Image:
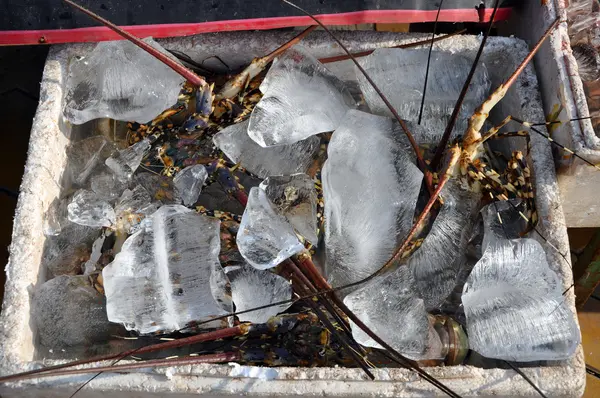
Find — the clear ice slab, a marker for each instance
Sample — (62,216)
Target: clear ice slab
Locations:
(85,157)
(251,288)
(388,306)
(295,197)
(188,183)
(168,274)
(436,264)
(301,98)
(400,75)
(263,162)
(119,80)
(265,238)
(370,189)
(88,209)
(126,161)
(513,301)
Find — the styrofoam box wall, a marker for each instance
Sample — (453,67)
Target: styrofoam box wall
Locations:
(560,84)
(46,163)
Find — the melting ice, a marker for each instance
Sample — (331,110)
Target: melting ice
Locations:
(168,273)
(301,98)
(119,80)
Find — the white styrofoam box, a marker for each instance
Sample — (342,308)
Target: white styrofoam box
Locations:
(46,164)
(560,84)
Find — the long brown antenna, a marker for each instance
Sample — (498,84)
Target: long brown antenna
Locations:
(446,137)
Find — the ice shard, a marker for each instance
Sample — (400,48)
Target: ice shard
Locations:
(126,161)
(90,266)
(119,80)
(133,206)
(56,217)
(65,253)
(263,162)
(168,273)
(188,183)
(160,188)
(107,186)
(301,98)
(400,75)
(265,238)
(88,209)
(513,301)
(388,306)
(370,189)
(295,197)
(85,157)
(252,288)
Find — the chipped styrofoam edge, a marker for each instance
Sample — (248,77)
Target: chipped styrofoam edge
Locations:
(253,372)
(584,138)
(16,349)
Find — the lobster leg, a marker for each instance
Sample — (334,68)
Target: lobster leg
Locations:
(240,81)
(511,134)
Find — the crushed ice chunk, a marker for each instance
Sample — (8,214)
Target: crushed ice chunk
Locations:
(265,238)
(55,217)
(119,80)
(436,264)
(251,288)
(160,187)
(295,197)
(90,266)
(88,209)
(167,274)
(69,312)
(399,74)
(132,207)
(263,162)
(370,189)
(107,186)
(189,181)
(301,98)
(514,305)
(126,161)
(86,156)
(65,253)
(387,302)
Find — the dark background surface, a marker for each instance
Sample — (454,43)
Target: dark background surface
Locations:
(55,14)
(20,76)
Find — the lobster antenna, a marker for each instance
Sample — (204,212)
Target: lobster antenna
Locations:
(344,57)
(446,137)
(437,17)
